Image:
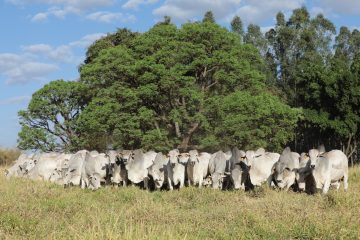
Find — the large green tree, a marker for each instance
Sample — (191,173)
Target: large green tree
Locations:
(160,90)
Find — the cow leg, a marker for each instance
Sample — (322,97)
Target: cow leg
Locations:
(189,182)
(326,185)
(170,185)
(83,184)
(346,181)
(182,182)
(200,182)
(146,183)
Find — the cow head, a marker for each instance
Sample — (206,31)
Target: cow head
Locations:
(183,158)
(207,182)
(173,157)
(158,175)
(283,175)
(56,175)
(218,179)
(125,156)
(251,155)
(236,178)
(302,174)
(68,177)
(94,182)
(193,157)
(313,155)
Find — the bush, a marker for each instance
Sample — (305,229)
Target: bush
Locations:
(7,156)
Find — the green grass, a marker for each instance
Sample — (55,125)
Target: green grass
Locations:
(38,210)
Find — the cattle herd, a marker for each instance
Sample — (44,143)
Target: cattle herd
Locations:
(235,169)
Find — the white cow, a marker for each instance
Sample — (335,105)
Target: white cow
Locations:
(73,173)
(304,162)
(239,171)
(285,168)
(219,168)
(95,170)
(45,165)
(63,164)
(137,166)
(197,167)
(119,172)
(158,171)
(261,164)
(18,169)
(325,169)
(176,168)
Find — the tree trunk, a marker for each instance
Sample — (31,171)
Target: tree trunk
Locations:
(184,145)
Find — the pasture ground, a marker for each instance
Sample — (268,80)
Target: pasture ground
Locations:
(40,210)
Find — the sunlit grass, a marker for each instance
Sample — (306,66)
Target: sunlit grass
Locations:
(38,210)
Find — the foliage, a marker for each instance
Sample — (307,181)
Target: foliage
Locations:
(48,123)
(158,90)
(251,121)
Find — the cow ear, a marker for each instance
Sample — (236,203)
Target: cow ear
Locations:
(20,167)
(161,169)
(35,161)
(296,170)
(288,169)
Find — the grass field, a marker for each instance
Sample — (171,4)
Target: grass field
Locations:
(39,210)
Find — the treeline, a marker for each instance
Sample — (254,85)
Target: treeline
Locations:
(206,87)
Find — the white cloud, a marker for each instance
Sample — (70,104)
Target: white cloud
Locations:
(189,9)
(22,69)
(39,17)
(15,100)
(87,40)
(76,4)
(314,11)
(108,17)
(257,11)
(341,6)
(61,8)
(134,4)
(62,53)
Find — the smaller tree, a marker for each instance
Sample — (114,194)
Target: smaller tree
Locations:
(48,123)
(209,17)
(237,26)
(255,37)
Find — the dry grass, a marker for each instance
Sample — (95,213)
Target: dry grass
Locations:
(38,210)
(7,156)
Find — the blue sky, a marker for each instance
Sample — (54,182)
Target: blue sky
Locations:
(44,40)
